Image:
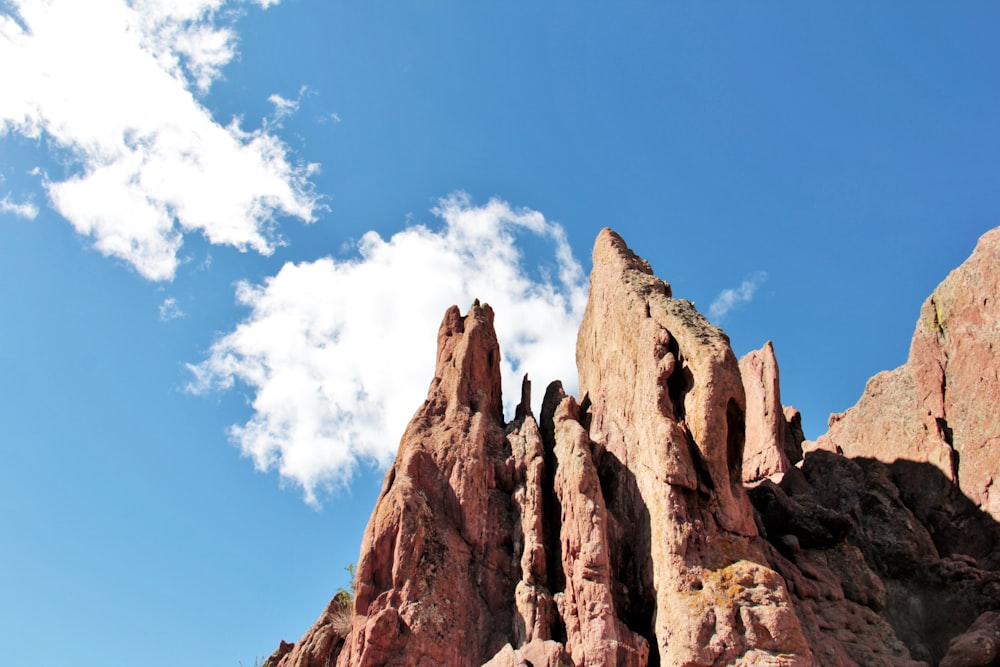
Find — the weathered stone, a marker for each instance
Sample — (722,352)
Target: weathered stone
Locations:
(595,636)
(843,538)
(978,647)
(437,573)
(764,449)
(535,607)
(666,413)
(536,653)
(616,529)
(321,644)
(794,437)
(932,408)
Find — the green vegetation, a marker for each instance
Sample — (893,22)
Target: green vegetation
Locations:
(343,595)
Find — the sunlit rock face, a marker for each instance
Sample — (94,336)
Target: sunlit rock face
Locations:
(941,407)
(666,515)
(765,452)
(666,412)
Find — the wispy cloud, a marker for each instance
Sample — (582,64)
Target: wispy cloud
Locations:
(169,310)
(732,297)
(339,353)
(115,85)
(283,106)
(22,210)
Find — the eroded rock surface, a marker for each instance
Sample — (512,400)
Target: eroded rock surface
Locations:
(616,529)
(321,644)
(886,557)
(437,571)
(764,453)
(666,413)
(935,408)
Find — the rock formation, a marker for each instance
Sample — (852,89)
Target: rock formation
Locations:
(666,413)
(941,408)
(765,453)
(668,517)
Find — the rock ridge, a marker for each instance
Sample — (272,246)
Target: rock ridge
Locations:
(668,516)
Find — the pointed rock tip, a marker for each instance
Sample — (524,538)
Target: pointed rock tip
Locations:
(454,322)
(554,394)
(524,407)
(765,352)
(481,311)
(613,256)
(610,248)
(467,371)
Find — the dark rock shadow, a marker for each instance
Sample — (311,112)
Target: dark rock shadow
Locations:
(955,523)
(932,548)
(629,535)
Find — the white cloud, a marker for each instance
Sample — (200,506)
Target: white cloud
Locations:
(339,353)
(285,107)
(169,310)
(730,298)
(23,210)
(113,85)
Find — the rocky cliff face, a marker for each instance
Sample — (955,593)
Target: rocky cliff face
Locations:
(667,515)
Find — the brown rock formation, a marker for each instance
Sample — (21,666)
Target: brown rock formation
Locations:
(886,558)
(594,634)
(666,408)
(764,451)
(979,647)
(616,530)
(323,640)
(437,565)
(794,437)
(932,408)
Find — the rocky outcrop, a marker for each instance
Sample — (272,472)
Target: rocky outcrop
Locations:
(594,633)
(764,453)
(866,578)
(883,533)
(437,570)
(666,413)
(939,407)
(979,646)
(616,528)
(321,642)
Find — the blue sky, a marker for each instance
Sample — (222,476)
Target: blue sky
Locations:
(229,230)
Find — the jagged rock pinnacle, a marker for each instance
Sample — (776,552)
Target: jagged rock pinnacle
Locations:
(616,529)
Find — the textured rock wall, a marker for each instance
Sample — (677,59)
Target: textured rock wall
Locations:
(616,529)
(666,412)
(884,533)
(935,408)
(764,453)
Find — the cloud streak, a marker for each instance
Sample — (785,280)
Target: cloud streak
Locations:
(25,210)
(339,353)
(114,86)
(169,310)
(732,297)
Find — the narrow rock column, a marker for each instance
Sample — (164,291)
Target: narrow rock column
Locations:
(764,450)
(436,577)
(595,637)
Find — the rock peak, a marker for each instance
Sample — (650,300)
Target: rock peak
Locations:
(617,529)
(613,255)
(667,418)
(467,372)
